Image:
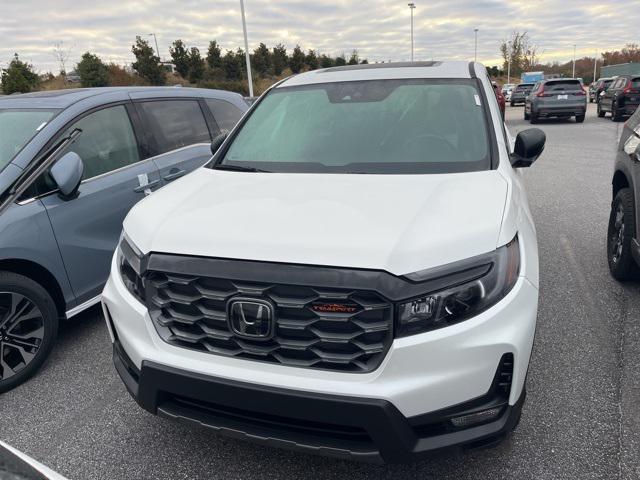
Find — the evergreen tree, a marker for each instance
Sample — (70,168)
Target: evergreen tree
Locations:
(18,77)
(180,58)
(214,58)
(354,59)
(262,60)
(296,62)
(340,61)
(147,65)
(279,59)
(232,69)
(93,72)
(325,61)
(311,60)
(196,65)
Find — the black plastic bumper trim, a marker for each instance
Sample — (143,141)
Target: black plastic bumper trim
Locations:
(365,429)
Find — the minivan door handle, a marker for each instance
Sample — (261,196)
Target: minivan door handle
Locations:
(147,186)
(174,174)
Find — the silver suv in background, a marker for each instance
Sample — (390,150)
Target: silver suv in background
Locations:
(559,98)
(72,164)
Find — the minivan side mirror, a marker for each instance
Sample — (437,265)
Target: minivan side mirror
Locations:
(218,141)
(529,145)
(67,173)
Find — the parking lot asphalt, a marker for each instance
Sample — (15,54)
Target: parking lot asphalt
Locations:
(581,419)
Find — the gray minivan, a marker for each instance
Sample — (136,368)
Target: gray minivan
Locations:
(72,164)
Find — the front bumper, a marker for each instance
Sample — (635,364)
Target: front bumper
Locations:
(365,429)
(422,377)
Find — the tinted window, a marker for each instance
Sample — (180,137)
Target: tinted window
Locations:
(635,82)
(17,128)
(225,113)
(376,126)
(563,85)
(107,141)
(174,124)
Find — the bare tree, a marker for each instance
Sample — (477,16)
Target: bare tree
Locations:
(62,54)
(523,54)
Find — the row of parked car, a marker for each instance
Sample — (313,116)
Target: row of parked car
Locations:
(566,97)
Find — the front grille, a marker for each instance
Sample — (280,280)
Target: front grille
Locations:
(191,312)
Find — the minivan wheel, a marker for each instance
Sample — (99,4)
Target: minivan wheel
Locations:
(526,115)
(28,328)
(619,235)
(579,118)
(533,116)
(601,112)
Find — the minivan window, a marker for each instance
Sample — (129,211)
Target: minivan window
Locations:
(17,128)
(107,141)
(174,124)
(373,126)
(635,82)
(225,113)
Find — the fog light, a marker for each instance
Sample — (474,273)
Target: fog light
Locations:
(476,418)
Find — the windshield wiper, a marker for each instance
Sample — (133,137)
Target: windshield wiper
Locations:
(238,168)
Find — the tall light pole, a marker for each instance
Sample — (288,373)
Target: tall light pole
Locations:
(595,66)
(246,49)
(573,75)
(412,7)
(475,50)
(156,41)
(509,62)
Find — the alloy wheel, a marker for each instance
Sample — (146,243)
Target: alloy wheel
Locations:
(21,333)
(617,239)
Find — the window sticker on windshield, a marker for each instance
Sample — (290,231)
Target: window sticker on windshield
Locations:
(41,126)
(477,97)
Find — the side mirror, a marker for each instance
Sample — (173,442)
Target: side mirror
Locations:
(218,141)
(529,145)
(67,173)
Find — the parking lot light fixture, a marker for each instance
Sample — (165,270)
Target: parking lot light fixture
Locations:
(412,7)
(155,39)
(246,49)
(573,75)
(475,49)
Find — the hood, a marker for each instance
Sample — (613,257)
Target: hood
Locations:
(397,223)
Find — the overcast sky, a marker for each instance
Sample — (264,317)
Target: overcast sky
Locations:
(378,29)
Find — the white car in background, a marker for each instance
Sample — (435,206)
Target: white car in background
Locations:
(354,274)
(507,90)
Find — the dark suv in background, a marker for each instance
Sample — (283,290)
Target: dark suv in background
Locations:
(623,235)
(596,88)
(72,164)
(621,99)
(560,98)
(520,93)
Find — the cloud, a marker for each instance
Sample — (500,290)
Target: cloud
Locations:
(378,29)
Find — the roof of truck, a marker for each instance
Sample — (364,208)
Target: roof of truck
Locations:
(382,71)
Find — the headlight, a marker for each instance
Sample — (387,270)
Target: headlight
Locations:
(129,264)
(497,274)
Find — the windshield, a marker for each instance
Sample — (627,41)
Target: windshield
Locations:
(17,128)
(375,126)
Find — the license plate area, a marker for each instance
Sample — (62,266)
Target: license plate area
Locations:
(563,97)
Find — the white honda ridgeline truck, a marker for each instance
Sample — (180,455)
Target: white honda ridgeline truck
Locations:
(355,272)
